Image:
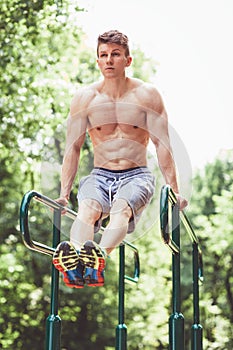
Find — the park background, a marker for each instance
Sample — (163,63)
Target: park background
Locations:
(47,52)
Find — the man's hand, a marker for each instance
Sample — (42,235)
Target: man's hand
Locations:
(181,201)
(63,201)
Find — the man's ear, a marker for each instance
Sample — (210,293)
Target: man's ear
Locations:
(129,61)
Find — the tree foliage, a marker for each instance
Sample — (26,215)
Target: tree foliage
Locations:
(213,217)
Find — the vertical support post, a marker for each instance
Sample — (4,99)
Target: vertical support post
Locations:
(121,330)
(176,321)
(196,340)
(53,322)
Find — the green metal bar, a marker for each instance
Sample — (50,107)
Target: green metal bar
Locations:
(195,241)
(164,220)
(53,322)
(121,330)
(176,321)
(195,284)
(136,275)
(176,259)
(24,226)
(188,227)
(196,331)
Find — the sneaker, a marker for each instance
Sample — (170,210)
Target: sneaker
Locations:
(66,260)
(93,258)
(74,278)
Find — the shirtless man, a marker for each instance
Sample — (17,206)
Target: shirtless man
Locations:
(120,114)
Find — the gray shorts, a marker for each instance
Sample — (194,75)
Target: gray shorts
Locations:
(135,185)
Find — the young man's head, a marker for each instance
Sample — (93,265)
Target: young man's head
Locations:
(114,37)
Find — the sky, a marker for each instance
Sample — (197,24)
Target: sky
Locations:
(191,41)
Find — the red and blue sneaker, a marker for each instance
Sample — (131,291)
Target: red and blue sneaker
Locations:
(93,258)
(66,260)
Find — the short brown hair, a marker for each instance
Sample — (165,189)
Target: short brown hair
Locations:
(114,37)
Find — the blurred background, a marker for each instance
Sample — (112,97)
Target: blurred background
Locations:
(48,50)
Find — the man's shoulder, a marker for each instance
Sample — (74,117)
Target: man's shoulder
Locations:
(147,88)
(83,96)
(147,93)
(136,83)
(86,91)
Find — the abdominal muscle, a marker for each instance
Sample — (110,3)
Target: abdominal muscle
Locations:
(119,147)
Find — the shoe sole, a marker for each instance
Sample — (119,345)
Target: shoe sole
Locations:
(77,282)
(92,257)
(65,257)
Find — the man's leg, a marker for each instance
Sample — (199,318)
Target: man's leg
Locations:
(87,266)
(82,229)
(116,230)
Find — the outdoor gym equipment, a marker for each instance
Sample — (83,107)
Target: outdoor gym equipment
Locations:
(53,322)
(170,217)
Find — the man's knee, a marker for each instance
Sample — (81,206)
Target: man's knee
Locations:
(121,207)
(89,211)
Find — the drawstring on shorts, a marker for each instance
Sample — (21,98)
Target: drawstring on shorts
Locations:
(115,180)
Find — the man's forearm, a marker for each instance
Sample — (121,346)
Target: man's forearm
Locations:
(69,170)
(167,167)
(169,175)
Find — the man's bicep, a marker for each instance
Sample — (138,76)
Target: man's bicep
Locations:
(158,129)
(76,131)
(78,117)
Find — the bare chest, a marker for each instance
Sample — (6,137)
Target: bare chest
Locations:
(103,112)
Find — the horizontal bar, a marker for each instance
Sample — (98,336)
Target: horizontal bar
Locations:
(68,212)
(188,227)
(136,263)
(164,216)
(24,227)
(55,205)
(44,249)
(167,194)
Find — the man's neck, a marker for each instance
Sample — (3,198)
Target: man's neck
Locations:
(115,88)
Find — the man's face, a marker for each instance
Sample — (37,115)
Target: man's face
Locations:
(112,60)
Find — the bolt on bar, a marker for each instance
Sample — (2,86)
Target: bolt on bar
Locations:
(170,215)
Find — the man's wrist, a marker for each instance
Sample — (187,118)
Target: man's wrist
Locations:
(66,197)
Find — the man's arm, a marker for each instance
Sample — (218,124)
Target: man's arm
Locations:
(164,152)
(71,158)
(159,134)
(76,132)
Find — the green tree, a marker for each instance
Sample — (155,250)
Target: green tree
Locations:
(40,55)
(211,213)
(43,60)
